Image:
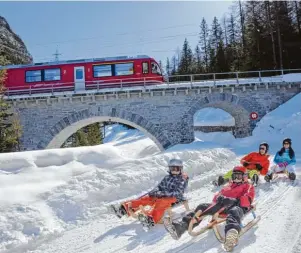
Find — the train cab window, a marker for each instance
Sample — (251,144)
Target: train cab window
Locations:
(102,70)
(156,69)
(124,69)
(145,67)
(33,76)
(52,74)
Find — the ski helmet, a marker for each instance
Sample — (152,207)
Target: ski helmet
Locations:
(266,146)
(287,140)
(239,169)
(175,163)
(239,172)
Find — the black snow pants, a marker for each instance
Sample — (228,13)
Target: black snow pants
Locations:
(234,216)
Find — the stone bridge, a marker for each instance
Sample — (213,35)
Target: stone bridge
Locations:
(165,115)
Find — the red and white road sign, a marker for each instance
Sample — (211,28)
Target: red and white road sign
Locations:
(254,115)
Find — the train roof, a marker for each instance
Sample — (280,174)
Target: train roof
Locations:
(104,59)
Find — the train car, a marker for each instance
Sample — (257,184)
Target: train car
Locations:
(81,75)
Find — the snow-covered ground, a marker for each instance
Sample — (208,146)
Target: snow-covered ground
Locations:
(55,200)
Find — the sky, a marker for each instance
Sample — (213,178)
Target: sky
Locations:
(100,29)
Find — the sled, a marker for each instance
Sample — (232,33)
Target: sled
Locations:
(217,219)
(277,174)
(144,210)
(169,212)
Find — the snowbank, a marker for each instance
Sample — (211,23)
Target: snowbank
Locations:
(47,192)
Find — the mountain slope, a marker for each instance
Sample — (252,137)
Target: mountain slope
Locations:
(12,46)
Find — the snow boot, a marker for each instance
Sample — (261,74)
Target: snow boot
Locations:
(146,221)
(292,176)
(175,229)
(220,181)
(268,177)
(231,239)
(119,211)
(255,179)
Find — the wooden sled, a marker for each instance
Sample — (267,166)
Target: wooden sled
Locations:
(217,219)
(277,174)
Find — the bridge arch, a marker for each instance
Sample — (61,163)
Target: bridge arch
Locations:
(68,125)
(230,104)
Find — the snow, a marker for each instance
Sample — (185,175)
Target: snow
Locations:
(55,200)
(213,117)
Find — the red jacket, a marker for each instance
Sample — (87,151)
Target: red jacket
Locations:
(245,192)
(254,158)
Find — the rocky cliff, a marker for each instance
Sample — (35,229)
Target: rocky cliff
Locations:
(11,45)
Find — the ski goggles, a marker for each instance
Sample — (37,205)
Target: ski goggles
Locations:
(175,168)
(238,176)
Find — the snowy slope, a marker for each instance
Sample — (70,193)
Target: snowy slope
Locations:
(54,200)
(283,122)
(213,117)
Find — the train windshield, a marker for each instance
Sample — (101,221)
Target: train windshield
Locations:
(156,69)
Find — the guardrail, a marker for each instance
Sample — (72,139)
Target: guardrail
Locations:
(194,80)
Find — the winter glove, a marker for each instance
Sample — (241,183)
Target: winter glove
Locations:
(225,201)
(245,164)
(258,166)
(281,165)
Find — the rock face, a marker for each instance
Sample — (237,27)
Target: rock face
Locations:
(11,45)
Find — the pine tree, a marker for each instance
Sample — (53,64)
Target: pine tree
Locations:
(198,68)
(168,69)
(203,42)
(174,66)
(94,136)
(186,62)
(10,128)
(81,138)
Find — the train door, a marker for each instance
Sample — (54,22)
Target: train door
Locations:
(79,78)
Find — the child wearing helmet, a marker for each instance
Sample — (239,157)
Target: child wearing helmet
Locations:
(169,191)
(284,160)
(237,197)
(256,163)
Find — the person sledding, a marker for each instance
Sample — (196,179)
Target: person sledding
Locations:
(169,191)
(284,160)
(256,163)
(236,197)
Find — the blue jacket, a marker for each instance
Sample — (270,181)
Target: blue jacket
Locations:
(284,158)
(171,186)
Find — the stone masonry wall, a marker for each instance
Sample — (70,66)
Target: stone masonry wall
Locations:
(167,115)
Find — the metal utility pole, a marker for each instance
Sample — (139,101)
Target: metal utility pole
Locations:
(56,55)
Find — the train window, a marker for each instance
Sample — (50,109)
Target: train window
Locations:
(102,70)
(52,74)
(123,69)
(145,67)
(156,69)
(33,76)
(79,74)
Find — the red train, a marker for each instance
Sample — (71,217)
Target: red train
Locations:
(84,74)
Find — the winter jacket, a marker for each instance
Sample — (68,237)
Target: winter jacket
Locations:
(254,158)
(244,192)
(284,158)
(171,186)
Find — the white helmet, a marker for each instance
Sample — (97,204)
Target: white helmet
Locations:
(175,163)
